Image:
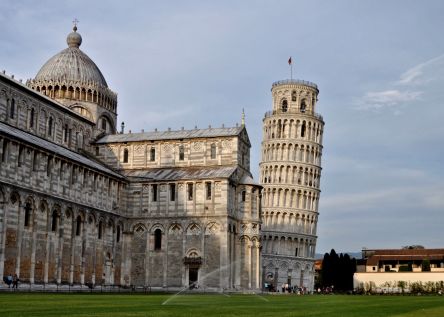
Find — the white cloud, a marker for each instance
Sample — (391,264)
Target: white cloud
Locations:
(386,98)
(418,75)
(414,74)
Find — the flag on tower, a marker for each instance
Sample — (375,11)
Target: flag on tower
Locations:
(289,61)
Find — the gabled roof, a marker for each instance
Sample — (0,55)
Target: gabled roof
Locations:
(181,173)
(171,135)
(54,148)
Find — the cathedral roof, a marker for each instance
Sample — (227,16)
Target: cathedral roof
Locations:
(72,65)
(181,173)
(171,135)
(54,148)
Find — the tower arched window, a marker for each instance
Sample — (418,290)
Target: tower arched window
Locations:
(157,239)
(152,154)
(293,95)
(125,156)
(213,151)
(303,106)
(303,128)
(181,153)
(284,105)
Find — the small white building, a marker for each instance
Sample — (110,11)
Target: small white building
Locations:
(397,270)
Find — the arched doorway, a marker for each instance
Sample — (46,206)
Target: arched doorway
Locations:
(192,263)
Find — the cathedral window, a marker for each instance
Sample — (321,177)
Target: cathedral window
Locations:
(85,174)
(12,109)
(65,133)
(54,221)
(152,154)
(48,166)
(50,124)
(100,230)
(213,151)
(5,150)
(69,136)
(181,153)
(244,195)
(78,225)
(20,156)
(118,234)
(97,151)
(172,192)
(35,161)
(28,210)
(103,124)
(62,170)
(125,156)
(208,190)
(190,191)
(95,182)
(154,192)
(31,118)
(284,105)
(73,175)
(157,240)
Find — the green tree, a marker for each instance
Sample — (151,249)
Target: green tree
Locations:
(338,270)
(425,265)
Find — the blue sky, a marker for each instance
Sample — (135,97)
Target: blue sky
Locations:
(379,66)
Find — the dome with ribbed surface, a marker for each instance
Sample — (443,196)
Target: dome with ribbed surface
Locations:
(72,65)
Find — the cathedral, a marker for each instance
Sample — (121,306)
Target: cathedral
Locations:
(83,205)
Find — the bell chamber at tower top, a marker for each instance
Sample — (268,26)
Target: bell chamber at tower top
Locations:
(294,96)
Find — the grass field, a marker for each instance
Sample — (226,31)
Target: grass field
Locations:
(22,304)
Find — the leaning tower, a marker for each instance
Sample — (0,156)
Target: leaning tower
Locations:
(290,171)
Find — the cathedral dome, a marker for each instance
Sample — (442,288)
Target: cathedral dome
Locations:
(74,80)
(71,65)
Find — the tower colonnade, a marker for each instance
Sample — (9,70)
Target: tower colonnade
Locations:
(290,172)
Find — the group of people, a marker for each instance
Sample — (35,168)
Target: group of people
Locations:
(286,288)
(11,280)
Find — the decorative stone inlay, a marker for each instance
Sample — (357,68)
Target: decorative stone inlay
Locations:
(139,149)
(139,230)
(193,229)
(226,144)
(212,229)
(175,230)
(167,147)
(197,146)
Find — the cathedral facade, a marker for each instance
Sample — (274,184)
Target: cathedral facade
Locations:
(81,204)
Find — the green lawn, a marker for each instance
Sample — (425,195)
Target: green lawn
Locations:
(65,305)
